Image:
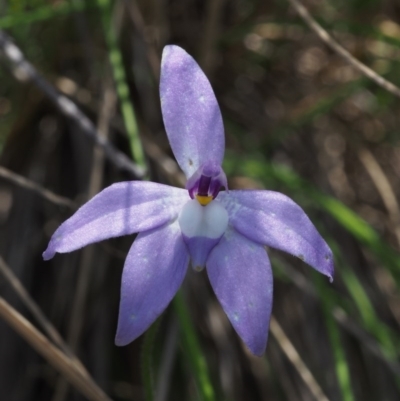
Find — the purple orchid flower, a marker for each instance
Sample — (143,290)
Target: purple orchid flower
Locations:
(223,231)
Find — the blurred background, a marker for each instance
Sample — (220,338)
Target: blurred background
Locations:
(298,119)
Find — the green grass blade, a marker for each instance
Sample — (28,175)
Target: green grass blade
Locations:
(122,88)
(341,366)
(41,13)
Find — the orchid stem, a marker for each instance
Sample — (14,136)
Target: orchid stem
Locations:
(192,349)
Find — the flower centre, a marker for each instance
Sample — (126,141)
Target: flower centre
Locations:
(203,222)
(206,182)
(204,200)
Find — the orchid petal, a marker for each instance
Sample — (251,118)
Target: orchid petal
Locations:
(121,209)
(154,270)
(190,111)
(273,219)
(241,276)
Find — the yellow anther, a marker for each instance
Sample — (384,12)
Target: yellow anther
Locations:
(204,200)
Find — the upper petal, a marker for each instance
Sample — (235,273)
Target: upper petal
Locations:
(241,276)
(273,219)
(190,111)
(122,208)
(154,270)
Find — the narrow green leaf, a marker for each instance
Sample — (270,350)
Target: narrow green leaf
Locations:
(341,366)
(116,61)
(41,13)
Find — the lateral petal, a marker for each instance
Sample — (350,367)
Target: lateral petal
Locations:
(273,219)
(154,270)
(121,209)
(241,276)
(190,111)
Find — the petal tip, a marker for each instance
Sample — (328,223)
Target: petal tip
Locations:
(171,51)
(330,275)
(166,51)
(124,335)
(121,341)
(258,344)
(258,350)
(48,254)
(330,270)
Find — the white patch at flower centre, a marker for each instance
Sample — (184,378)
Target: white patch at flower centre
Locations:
(208,221)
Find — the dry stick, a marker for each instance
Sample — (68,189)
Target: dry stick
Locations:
(346,322)
(351,326)
(24,71)
(167,362)
(38,314)
(53,355)
(210,35)
(33,307)
(136,16)
(167,164)
(45,193)
(294,357)
(388,196)
(95,183)
(336,47)
(383,186)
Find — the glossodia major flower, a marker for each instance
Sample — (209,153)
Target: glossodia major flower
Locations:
(224,231)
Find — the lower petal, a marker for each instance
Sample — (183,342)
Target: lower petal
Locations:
(240,274)
(154,270)
(273,219)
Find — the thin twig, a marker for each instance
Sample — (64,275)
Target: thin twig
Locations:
(167,362)
(336,47)
(45,193)
(383,186)
(388,196)
(54,356)
(24,71)
(137,19)
(31,305)
(167,164)
(77,315)
(347,323)
(290,351)
(351,326)
(38,314)
(210,35)
(78,309)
